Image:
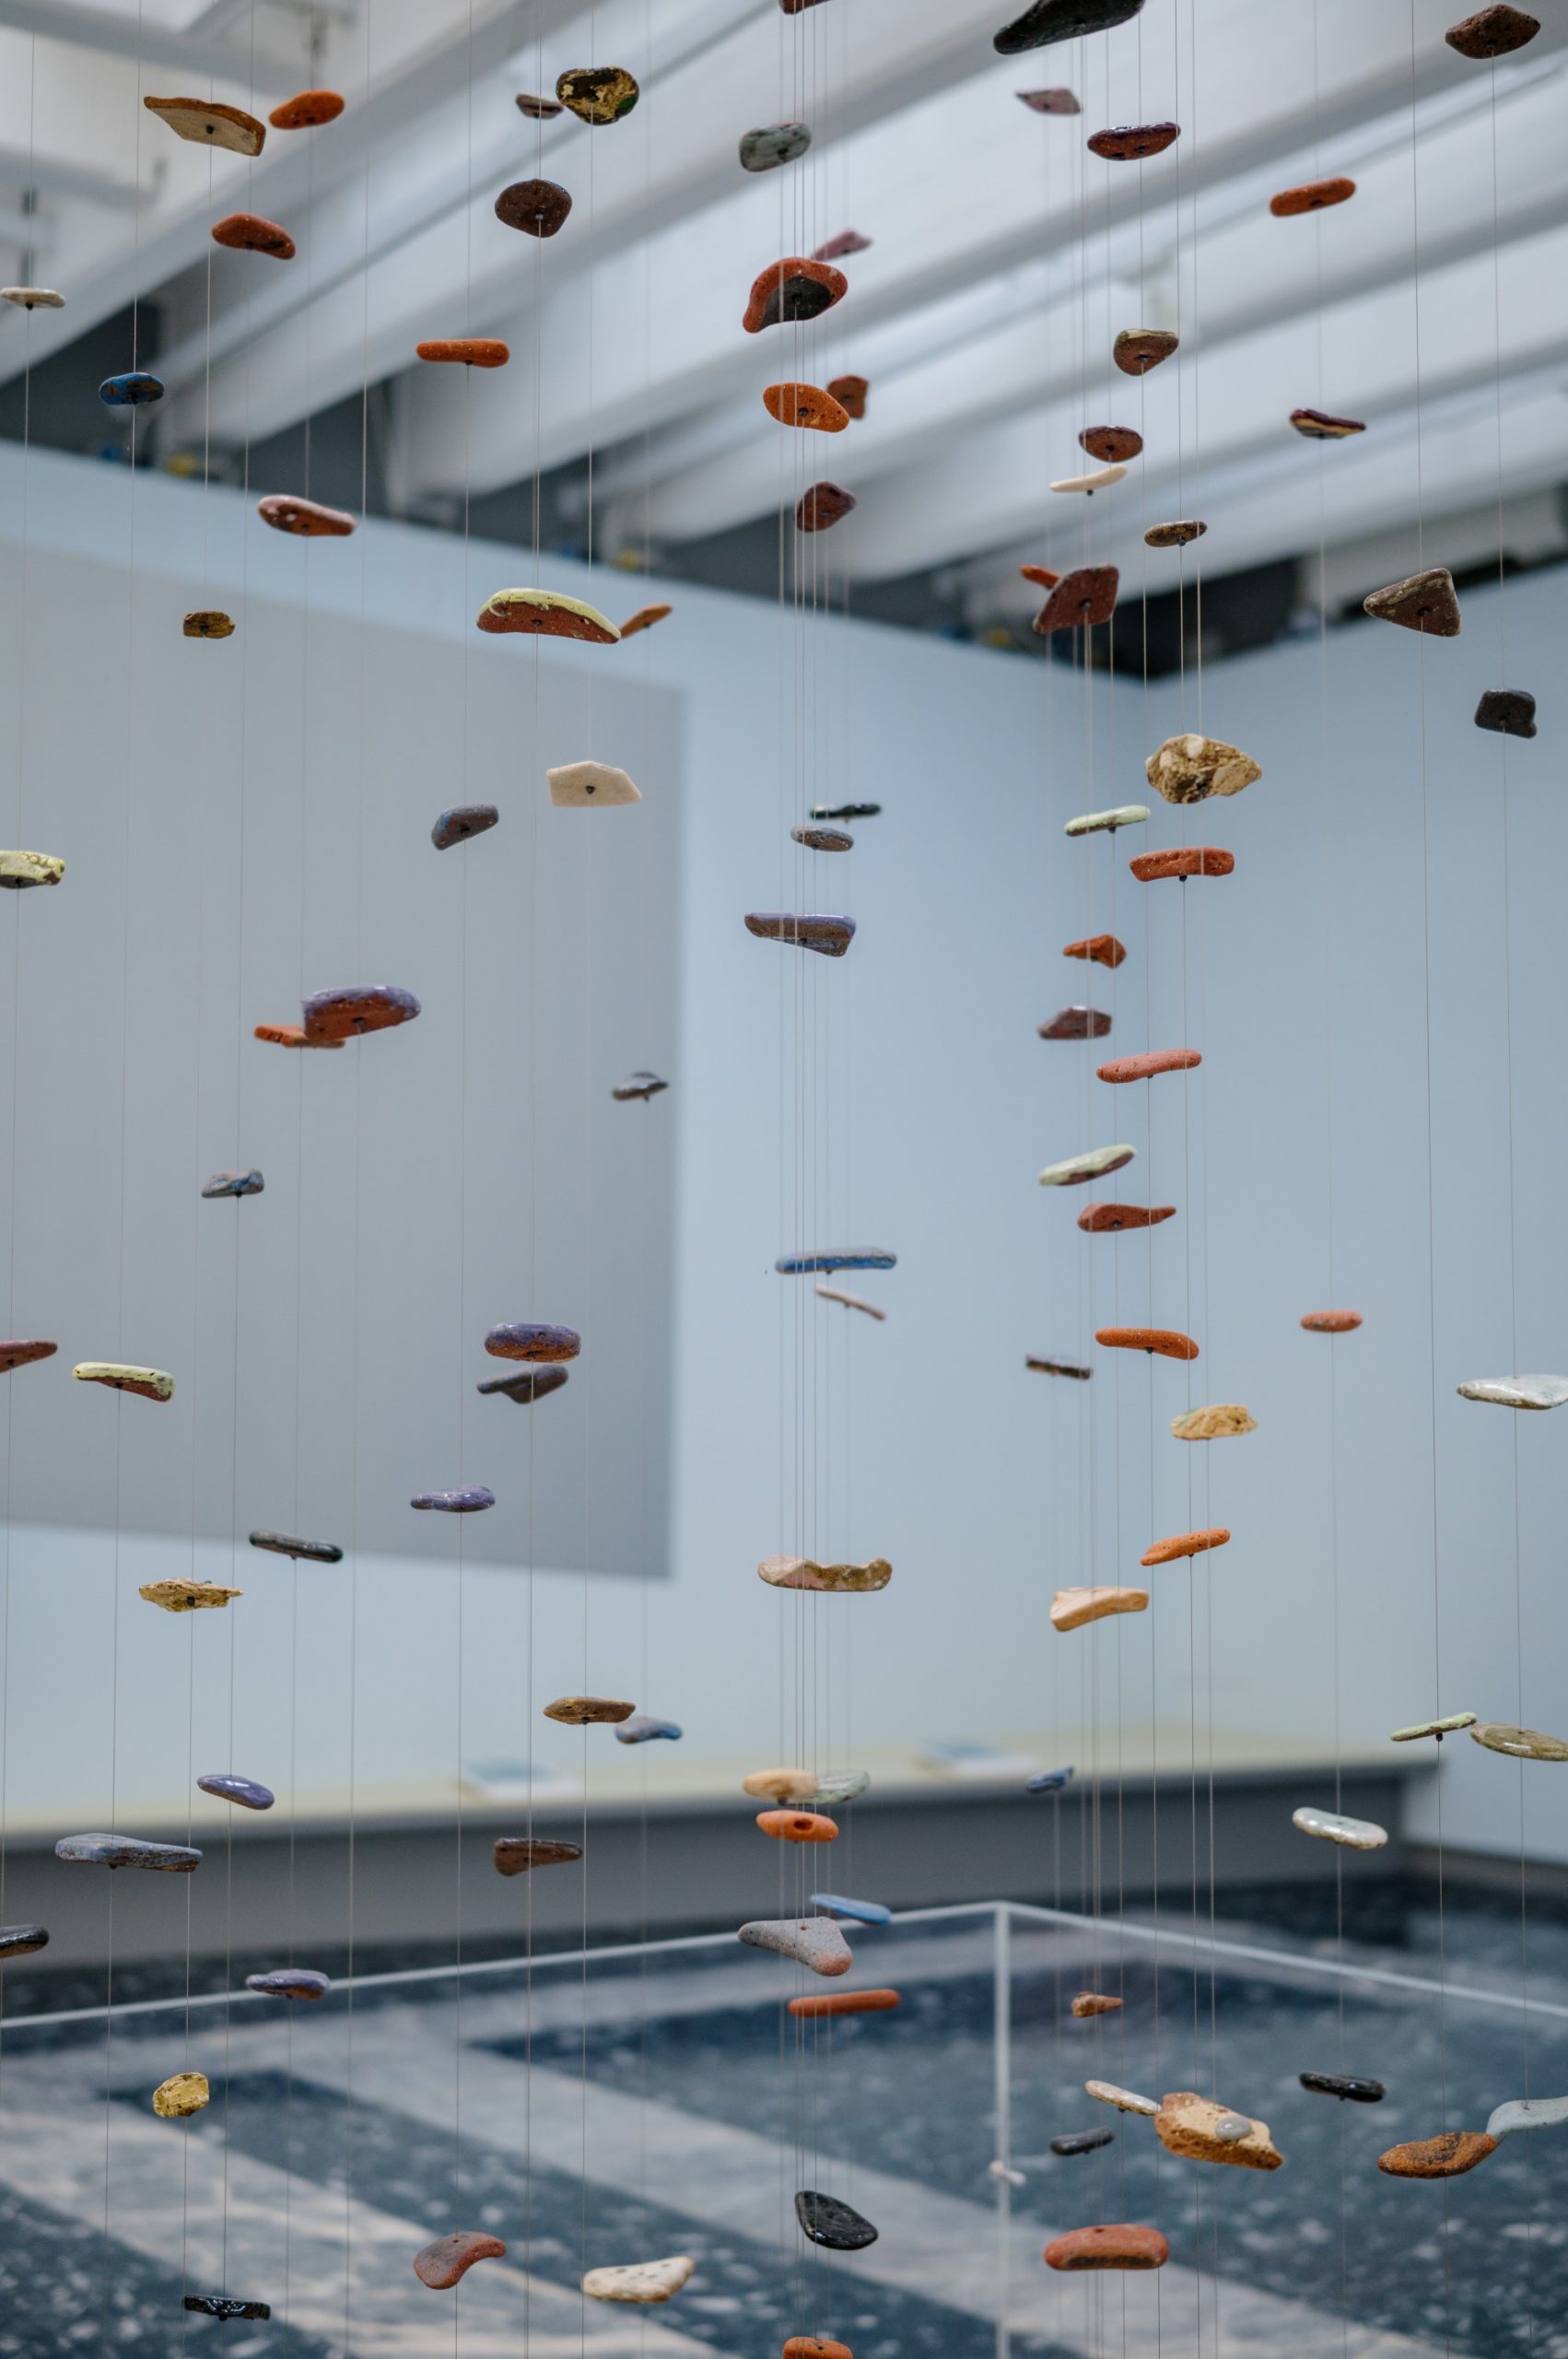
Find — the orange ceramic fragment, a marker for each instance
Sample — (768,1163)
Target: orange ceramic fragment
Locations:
(1311,198)
(477,351)
(794,405)
(846,2003)
(1117,2245)
(253,233)
(851,391)
(795,288)
(291,1036)
(305,110)
(1096,1218)
(1186,1544)
(815,2346)
(1144,1068)
(644,619)
(1041,575)
(1093,2002)
(1103,948)
(1193,860)
(798,1826)
(1331,1322)
(1166,1341)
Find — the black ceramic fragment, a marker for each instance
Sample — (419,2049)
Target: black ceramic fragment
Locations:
(223,2306)
(1511,711)
(283,1543)
(828,2222)
(1082,2141)
(1053,21)
(1344,2084)
(846,810)
(527,1386)
(20,1941)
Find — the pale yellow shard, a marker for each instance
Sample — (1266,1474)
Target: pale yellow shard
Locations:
(1100,479)
(1071,1608)
(804,1572)
(182,1596)
(645,2281)
(181,2094)
(150,1382)
(210,124)
(21,868)
(587,786)
(779,1785)
(1216,1423)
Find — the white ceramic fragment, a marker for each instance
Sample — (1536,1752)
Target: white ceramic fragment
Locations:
(1332,1827)
(1517,1391)
(1124,2100)
(1094,823)
(33,298)
(644,2281)
(1091,1164)
(587,786)
(1101,479)
(1527,2113)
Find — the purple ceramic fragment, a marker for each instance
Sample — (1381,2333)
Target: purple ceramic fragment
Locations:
(466,819)
(126,1851)
(526,1339)
(468,1502)
(289,1982)
(230,1788)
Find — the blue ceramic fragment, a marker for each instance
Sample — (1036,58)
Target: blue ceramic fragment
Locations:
(127,1851)
(228,1788)
(467,1502)
(526,1339)
(846,1257)
(131,390)
(223,2306)
(234,1183)
(533,1384)
(641,1729)
(289,1982)
(466,819)
(864,1912)
(1049,1781)
(20,1941)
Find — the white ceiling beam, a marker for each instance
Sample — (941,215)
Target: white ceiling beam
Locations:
(124,34)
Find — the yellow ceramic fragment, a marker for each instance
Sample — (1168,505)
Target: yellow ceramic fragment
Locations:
(1216,1423)
(182,1596)
(585,786)
(181,2094)
(779,1785)
(150,1382)
(20,868)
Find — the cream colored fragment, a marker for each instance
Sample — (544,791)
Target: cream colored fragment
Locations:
(1100,480)
(851,1301)
(1203,2132)
(1333,1827)
(182,1596)
(33,298)
(20,868)
(210,124)
(1124,2100)
(804,1572)
(1216,1423)
(150,1382)
(1095,823)
(582,786)
(779,1785)
(640,2280)
(1071,1608)
(184,2093)
(528,603)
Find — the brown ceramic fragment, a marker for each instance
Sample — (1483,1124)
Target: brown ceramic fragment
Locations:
(449,2259)
(578,1711)
(23,1354)
(349,1010)
(1102,949)
(1448,2156)
(644,619)
(1190,860)
(1116,2245)
(515,1854)
(1322,426)
(1040,575)
(1177,535)
(1189,768)
(1055,101)
(209,124)
(1331,1322)
(253,233)
(306,518)
(848,242)
(851,392)
(795,288)
(475,351)
(1154,1061)
(537,108)
(306,109)
(805,405)
(798,1826)
(1165,1341)
(1137,350)
(1186,1544)
(1076,1024)
(1202,2132)
(1128,143)
(1097,1219)
(1424,602)
(1057,1368)
(1114,444)
(1493,32)
(291,1036)
(539,208)
(547,613)
(1312,197)
(843,2002)
(1080,600)
(209,622)
(825,505)
(1094,2003)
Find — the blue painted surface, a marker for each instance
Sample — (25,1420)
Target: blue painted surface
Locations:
(131,390)
(864,1912)
(846,1257)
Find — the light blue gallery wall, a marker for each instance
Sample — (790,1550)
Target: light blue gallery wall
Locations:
(276,794)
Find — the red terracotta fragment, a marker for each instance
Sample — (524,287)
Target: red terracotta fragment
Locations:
(449,2258)
(805,405)
(539,208)
(1449,2155)
(1144,1068)
(1041,575)
(851,392)
(795,288)
(306,518)
(1191,860)
(1114,444)
(1053,101)
(1164,1341)
(798,1826)
(1097,1219)
(1331,1322)
(1076,1024)
(644,619)
(1312,197)
(1081,599)
(846,2003)
(475,351)
(1089,2003)
(825,505)
(253,233)
(848,242)
(1186,1544)
(1119,2245)
(1104,949)
(291,1036)
(815,2346)
(306,109)
(1128,143)
(23,1354)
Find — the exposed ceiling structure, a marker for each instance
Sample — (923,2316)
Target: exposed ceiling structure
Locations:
(1004,259)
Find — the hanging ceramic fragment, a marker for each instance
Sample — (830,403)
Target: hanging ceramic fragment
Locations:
(306,110)
(447,2260)
(805,405)
(546,614)
(1144,1068)
(798,7)
(598,94)
(1131,143)
(830,936)
(643,1728)
(539,208)
(291,1036)
(778,1785)
(473,351)
(1186,1544)
(644,619)
(859,1912)
(643,2281)
(354,1008)
(815,1942)
(1344,2085)
(251,233)
(798,1826)
(1052,102)
(1076,1024)
(527,1339)
(1217,1422)
(1094,823)
(588,1711)
(246,1794)
(538,110)
(1520,1745)
(1087,2005)
(1516,1391)
(1079,601)
(1193,860)
(1424,602)
(305,518)
(822,839)
(842,1257)
(127,1851)
(210,124)
(845,2002)
(832,1793)
(281,1543)
(1074,1608)
(1178,536)
(1160,1343)
(822,506)
(1052,20)
(1493,32)
(1124,2100)
(33,298)
(1333,1827)
(234,1183)
(209,622)
(182,1595)
(1451,1726)
(839,1580)
(1099,1218)
(848,242)
(1118,2245)
(180,2095)
(472,1500)
(1322,426)
(850,394)
(149,1383)
(225,2306)
(1098,479)
(515,1854)
(1189,768)
(590,786)
(638,1084)
(1049,1781)
(1075,1169)
(1082,2142)
(1100,949)
(1527,2113)
(1331,1322)
(289,1982)
(780,143)
(1112,443)
(795,288)
(23,1353)
(464,820)
(1510,711)
(1071,1368)
(133,389)
(827,2222)
(1137,350)
(846,810)
(1041,575)
(1202,2132)
(531,1385)
(1448,2156)
(21,870)
(1312,197)
(851,1301)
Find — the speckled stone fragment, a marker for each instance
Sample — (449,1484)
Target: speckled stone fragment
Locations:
(465,819)
(532,1339)
(774,144)
(1131,143)
(583,1712)
(1093,1164)
(836,1257)
(1217,1421)
(1076,1024)
(1074,1608)
(1519,1744)
(1175,535)
(207,622)
(1527,2113)
(234,1183)
(1510,712)
(225,2306)
(305,519)
(1202,2132)
(1080,599)
(1057,101)
(645,2283)
(209,124)
(514,1855)
(1114,2245)
(859,1912)
(253,233)
(846,2003)
(598,94)
(829,936)
(795,288)
(1101,1219)
(1183,860)
(22,1941)
(1333,1827)
(1100,949)
(1124,2100)
(127,1851)
(1164,1343)
(21,869)
(1095,823)
(645,619)
(445,2260)
(1448,2156)
(473,1499)
(1516,1391)
(132,389)
(822,839)
(638,1085)
(284,1543)
(839,1580)
(1493,32)
(147,1383)
(1137,350)
(539,208)
(1043,1366)
(182,2095)
(352,1009)
(1052,20)
(815,1942)
(851,393)
(544,614)
(1451,1726)
(823,506)
(1086,2005)
(1186,1544)
(306,110)
(1082,2141)
(227,1786)
(836,2226)
(643,1728)
(1189,768)
(1144,1068)
(1347,2086)
(1424,602)
(809,406)
(182,1595)
(289,1982)
(1311,197)
(1331,1322)
(23,1354)
(531,1385)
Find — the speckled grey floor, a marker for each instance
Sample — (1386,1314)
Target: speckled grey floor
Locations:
(678,2109)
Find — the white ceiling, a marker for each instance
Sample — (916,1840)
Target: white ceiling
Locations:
(1434,305)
